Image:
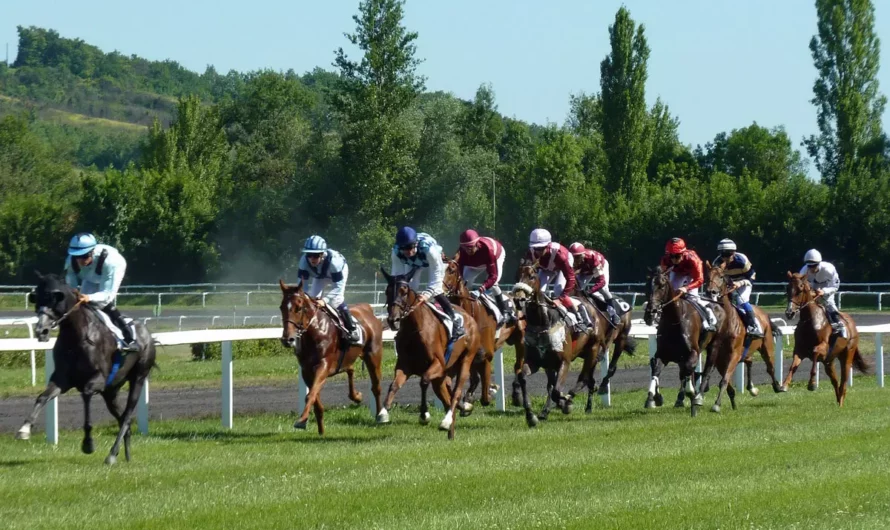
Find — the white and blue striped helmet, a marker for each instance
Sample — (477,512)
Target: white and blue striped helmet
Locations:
(82,244)
(314,245)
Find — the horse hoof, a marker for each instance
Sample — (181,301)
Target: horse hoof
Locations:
(532,420)
(544,415)
(778,389)
(812,387)
(694,411)
(424,418)
(705,387)
(110,460)
(516,400)
(24,433)
(650,404)
(753,391)
(566,407)
(659,400)
(588,410)
(357,398)
(698,400)
(679,404)
(300,425)
(715,408)
(446,423)
(493,390)
(383,417)
(87,446)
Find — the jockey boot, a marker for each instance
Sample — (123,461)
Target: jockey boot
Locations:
(614,318)
(457,325)
(752,326)
(579,326)
(837,324)
(505,304)
(586,321)
(117,318)
(348,323)
(710,323)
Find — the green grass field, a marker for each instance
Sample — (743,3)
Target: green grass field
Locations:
(780,461)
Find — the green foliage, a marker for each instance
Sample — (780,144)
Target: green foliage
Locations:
(765,154)
(241,349)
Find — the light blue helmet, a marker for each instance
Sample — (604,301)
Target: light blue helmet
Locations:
(82,244)
(314,245)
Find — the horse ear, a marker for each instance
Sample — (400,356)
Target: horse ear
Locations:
(790,275)
(386,275)
(299,287)
(38,274)
(283,285)
(411,274)
(456,255)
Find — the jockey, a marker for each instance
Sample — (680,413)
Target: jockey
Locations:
(327,266)
(413,250)
(823,277)
(740,272)
(97,271)
(590,265)
(484,254)
(555,266)
(687,276)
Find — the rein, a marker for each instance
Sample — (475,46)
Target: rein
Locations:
(55,323)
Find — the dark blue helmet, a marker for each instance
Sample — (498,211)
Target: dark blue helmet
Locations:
(406,236)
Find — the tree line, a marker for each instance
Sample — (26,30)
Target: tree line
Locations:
(238,169)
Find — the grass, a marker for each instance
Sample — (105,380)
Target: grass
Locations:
(780,461)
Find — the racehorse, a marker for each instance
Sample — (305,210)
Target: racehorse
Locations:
(424,350)
(731,345)
(550,345)
(86,358)
(813,339)
(681,337)
(492,338)
(320,349)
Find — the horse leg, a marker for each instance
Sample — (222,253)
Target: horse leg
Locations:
(832,374)
(551,386)
(720,389)
(424,405)
(654,399)
(620,344)
(318,379)
(847,365)
(126,418)
(768,353)
(397,382)
(52,391)
(456,392)
(375,374)
(730,391)
(87,445)
(440,388)
(319,414)
(563,401)
(584,378)
(749,385)
(530,417)
(354,395)
(485,398)
(811,386)
(795,362)
(706,372)
(517,370)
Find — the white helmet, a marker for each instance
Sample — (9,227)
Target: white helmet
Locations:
(539,238)
(812,256)
(726,244)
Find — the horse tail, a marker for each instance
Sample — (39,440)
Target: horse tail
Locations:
(776,331)
(630,345)
(861,363)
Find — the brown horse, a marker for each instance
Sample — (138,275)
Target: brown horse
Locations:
(423,350)
(550,345)
(603,335)
(492,338)
(681,337)
(322,352)
(814,340)
(731,344)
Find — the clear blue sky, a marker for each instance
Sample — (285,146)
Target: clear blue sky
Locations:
(719,65)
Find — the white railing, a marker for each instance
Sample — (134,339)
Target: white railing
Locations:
(227,336)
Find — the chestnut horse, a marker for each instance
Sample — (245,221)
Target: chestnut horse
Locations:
(731,344)
(423,350)
(680,339)
(492,338)
(813,339)
(550,345)
(321,350)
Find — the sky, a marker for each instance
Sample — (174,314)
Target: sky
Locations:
(718,65)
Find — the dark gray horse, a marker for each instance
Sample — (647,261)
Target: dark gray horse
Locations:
(85,355)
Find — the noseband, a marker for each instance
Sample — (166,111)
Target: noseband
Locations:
(48,313)
(299,329)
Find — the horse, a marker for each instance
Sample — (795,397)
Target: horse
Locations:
(86,358)
(813,339)
(422,343)
(731,344)
(320,349)
(492,338)
(604,335)
(549,345)
(680,337)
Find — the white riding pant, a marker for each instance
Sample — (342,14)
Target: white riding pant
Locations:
(471,273)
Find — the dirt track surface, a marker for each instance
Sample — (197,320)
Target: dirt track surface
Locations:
(193,403)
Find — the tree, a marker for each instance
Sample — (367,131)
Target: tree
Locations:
(481,125)
(846,53)
(765,154)
(625,126)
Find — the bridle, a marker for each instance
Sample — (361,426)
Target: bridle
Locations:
(299,328)
(405,306)
(49,313)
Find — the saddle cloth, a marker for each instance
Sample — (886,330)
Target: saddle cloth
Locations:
(118,334)
(489,304)
(443,317)
(334,314)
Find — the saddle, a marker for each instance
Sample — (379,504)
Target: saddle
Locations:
(490,305)
(443,316)
(341,327)
(621,306)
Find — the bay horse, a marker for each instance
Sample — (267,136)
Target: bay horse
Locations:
(550,345)
(813,339)
(422,345)
(321,351)
(680,337)
(492,338)
(731,344)
(84,356)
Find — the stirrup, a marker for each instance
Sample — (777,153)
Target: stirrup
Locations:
(131,346)
(754,331)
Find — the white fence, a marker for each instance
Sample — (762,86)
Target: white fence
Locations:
(227,336)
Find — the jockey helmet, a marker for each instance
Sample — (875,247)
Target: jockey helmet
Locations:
(468,238)
(82,244)
(726,247)
(314,245)
(539,238)
(576,248)
(405,237)
(812,257)
(675,246)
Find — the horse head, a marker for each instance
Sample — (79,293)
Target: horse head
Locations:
(53,300)
(526,283)
(453,284)
(400,298)
(798,293)
(298,312)
(717,283)
(658,292)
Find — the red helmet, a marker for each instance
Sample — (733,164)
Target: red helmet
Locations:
(576,248)
(675,246)
(468,238)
